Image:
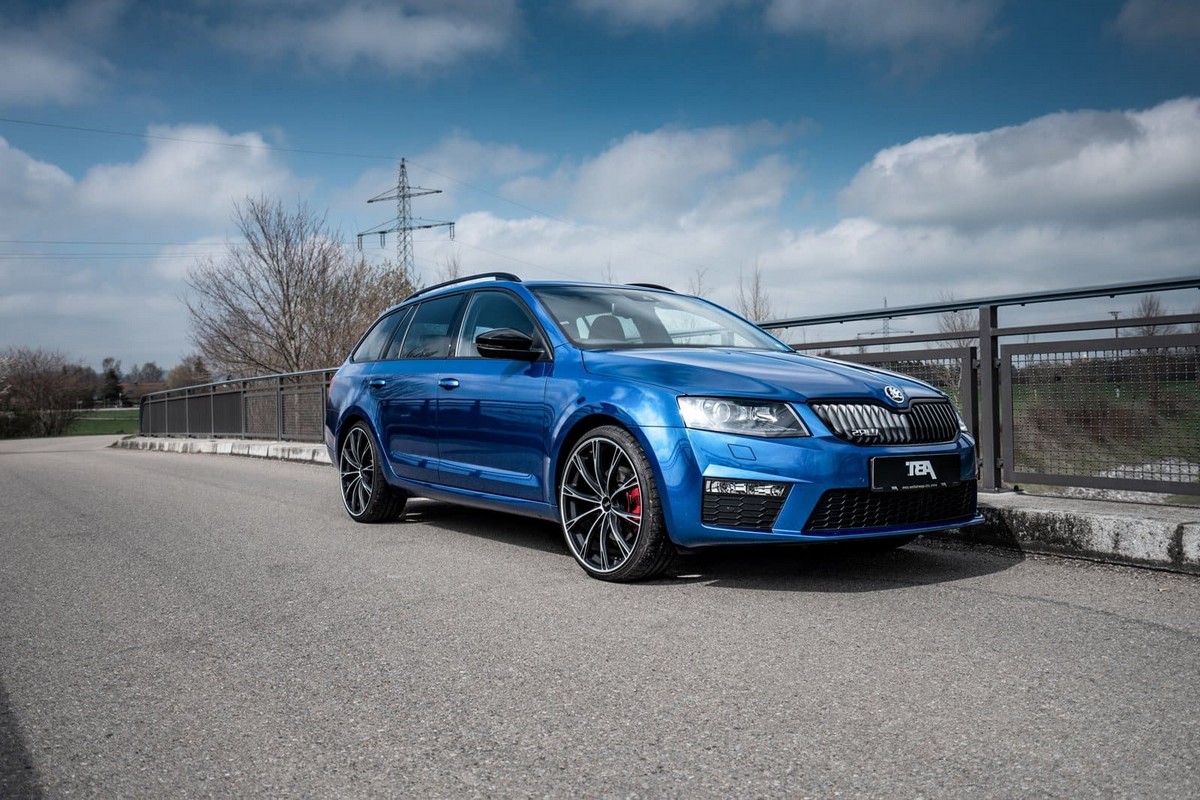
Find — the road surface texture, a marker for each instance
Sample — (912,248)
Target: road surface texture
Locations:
(175,625)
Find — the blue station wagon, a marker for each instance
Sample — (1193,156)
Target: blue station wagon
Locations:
(641,420)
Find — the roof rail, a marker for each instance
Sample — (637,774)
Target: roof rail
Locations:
(500,276)
(652,286)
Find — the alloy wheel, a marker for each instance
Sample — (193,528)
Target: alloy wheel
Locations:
(601,504)
(358,472)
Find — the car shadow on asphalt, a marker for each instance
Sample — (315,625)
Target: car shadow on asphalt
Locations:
(822,567)
(17,775)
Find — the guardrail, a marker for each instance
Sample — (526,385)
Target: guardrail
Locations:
(1120,412)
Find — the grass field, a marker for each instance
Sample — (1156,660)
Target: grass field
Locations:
(107,421)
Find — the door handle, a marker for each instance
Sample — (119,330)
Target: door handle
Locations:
(377,383)
(448,383)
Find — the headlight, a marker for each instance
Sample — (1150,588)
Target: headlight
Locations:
(747,417)
(962,424)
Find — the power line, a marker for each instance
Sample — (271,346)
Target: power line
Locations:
(302,151)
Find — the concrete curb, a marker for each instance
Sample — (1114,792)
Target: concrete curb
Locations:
(283,451)
(1132,534)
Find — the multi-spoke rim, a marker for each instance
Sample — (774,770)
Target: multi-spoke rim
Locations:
(601,504)
(357,465)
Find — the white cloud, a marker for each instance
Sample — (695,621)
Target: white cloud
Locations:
(1079,167)
(193,174)
(654,13)
(926,216)
(466,158)
(669,174)
(409,37)
(918,33)
(1153,22)
(56,58)
(28,188)
(885,23)
(92,299)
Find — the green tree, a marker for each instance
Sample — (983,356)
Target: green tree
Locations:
(110,382)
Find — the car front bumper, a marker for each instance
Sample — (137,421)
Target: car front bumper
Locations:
(807,468)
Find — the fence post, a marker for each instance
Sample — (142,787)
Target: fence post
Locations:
(989,401)
(278,409)
(325,377)
(968,391)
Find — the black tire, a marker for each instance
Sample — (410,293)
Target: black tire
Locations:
(365,492)
(609,508)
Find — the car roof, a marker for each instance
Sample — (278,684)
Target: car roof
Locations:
(507,279)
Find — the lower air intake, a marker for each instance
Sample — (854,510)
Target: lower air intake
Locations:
(841,510)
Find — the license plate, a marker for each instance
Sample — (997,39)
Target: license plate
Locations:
(901,473)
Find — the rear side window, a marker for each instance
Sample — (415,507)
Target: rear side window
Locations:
(429,334)
(370,348)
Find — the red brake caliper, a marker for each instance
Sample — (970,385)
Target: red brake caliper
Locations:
(633,503)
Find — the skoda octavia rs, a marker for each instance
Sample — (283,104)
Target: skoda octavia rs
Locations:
(641,420)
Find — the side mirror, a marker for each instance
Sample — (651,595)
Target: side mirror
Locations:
(508,343)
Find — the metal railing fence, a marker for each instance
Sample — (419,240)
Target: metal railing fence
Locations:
(287,407)
(1113,413)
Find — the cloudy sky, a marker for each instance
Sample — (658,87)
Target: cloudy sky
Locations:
(854,150)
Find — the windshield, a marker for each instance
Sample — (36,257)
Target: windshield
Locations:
(604,317)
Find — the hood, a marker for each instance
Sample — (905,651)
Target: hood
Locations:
(751,373)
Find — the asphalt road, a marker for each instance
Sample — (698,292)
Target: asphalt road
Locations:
(183,625)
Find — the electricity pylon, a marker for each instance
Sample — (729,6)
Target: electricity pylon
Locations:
(404,223)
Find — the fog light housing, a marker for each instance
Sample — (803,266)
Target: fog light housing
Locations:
(745,505)
(745,488)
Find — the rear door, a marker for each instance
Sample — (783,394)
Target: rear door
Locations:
(405,385)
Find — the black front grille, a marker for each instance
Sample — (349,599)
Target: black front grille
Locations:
(741,511)
(924,422)
(863,509)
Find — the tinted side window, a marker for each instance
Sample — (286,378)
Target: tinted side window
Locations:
(393,348)
(375,340)
(431,328)
(487,312)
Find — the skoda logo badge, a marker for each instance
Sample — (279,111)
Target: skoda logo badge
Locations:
(895,394)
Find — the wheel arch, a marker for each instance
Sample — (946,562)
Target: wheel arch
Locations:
(587,421)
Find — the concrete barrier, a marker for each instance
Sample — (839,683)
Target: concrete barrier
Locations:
(1133,534)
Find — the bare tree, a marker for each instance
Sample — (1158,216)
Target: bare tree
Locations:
(696,284)
(450,267)
(608,276)
(40,392)
(146,373)
(191,371)
(289,296)
(752,300)
(960,327)
(1151,305)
